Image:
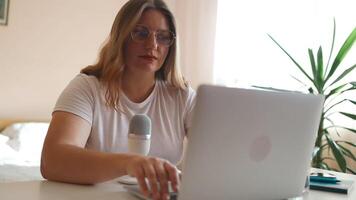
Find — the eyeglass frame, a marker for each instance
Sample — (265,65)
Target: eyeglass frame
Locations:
(155,35)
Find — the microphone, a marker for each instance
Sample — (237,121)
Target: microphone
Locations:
(139,141)
(139,137)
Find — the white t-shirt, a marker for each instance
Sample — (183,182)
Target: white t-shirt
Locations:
(170,111)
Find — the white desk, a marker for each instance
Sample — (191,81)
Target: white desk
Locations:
(45,190)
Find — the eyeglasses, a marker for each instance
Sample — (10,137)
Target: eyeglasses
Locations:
(163,37)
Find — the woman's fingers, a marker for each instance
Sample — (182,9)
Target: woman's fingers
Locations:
(136,169)
(151,176)
(140,176)
(172,173)
(155,172)
(162,178)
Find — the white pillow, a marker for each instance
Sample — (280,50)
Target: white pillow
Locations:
(3,139)
(27,138)
(6,152)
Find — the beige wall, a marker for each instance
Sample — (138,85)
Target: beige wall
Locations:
(44,46)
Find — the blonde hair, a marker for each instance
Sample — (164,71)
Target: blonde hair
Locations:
(110,66)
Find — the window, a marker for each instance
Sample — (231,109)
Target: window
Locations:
(245,55)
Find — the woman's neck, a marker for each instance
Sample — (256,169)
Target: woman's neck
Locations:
(137,87)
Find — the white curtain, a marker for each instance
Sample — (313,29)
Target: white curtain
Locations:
(196,21)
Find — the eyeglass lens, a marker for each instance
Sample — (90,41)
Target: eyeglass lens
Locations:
(163,37)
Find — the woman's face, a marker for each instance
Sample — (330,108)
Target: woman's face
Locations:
(147,54)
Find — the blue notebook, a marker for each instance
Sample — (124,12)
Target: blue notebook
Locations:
(343,187)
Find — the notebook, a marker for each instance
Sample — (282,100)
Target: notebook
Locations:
(249,144)
(343,186)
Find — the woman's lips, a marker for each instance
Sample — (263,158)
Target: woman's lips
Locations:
(148,57)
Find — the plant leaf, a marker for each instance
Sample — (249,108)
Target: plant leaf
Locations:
(337,132)
(272,89)
(312,62)
(344,74)
(316,152)
(349,129)
(332,48)
(301,82)
(295,62)
(310,89)
(334,127)
(324,165)
(353,87)
(322,147)
(353,172)
(346,142)
(352,116)
(335,104)
(347,152)
(354,102)
(337,153)
(336,90)
(320,70)
(328,119)
(342,52)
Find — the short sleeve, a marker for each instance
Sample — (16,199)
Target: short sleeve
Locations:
(77,98)
(189,107)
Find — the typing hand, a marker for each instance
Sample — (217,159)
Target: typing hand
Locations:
(158,172)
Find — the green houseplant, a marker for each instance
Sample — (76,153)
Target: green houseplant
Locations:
(327,81)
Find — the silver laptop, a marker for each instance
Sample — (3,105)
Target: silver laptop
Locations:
(249,144)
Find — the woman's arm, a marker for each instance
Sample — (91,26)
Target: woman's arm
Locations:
(65,159)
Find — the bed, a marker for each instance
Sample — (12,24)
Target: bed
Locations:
(20,150)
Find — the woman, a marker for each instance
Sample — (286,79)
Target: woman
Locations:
(136,74)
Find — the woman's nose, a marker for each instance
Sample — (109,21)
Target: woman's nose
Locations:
(151,42)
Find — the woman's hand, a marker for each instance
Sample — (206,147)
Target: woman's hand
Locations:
(157,171)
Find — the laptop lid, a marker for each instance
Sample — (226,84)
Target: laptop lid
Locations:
(249,144)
